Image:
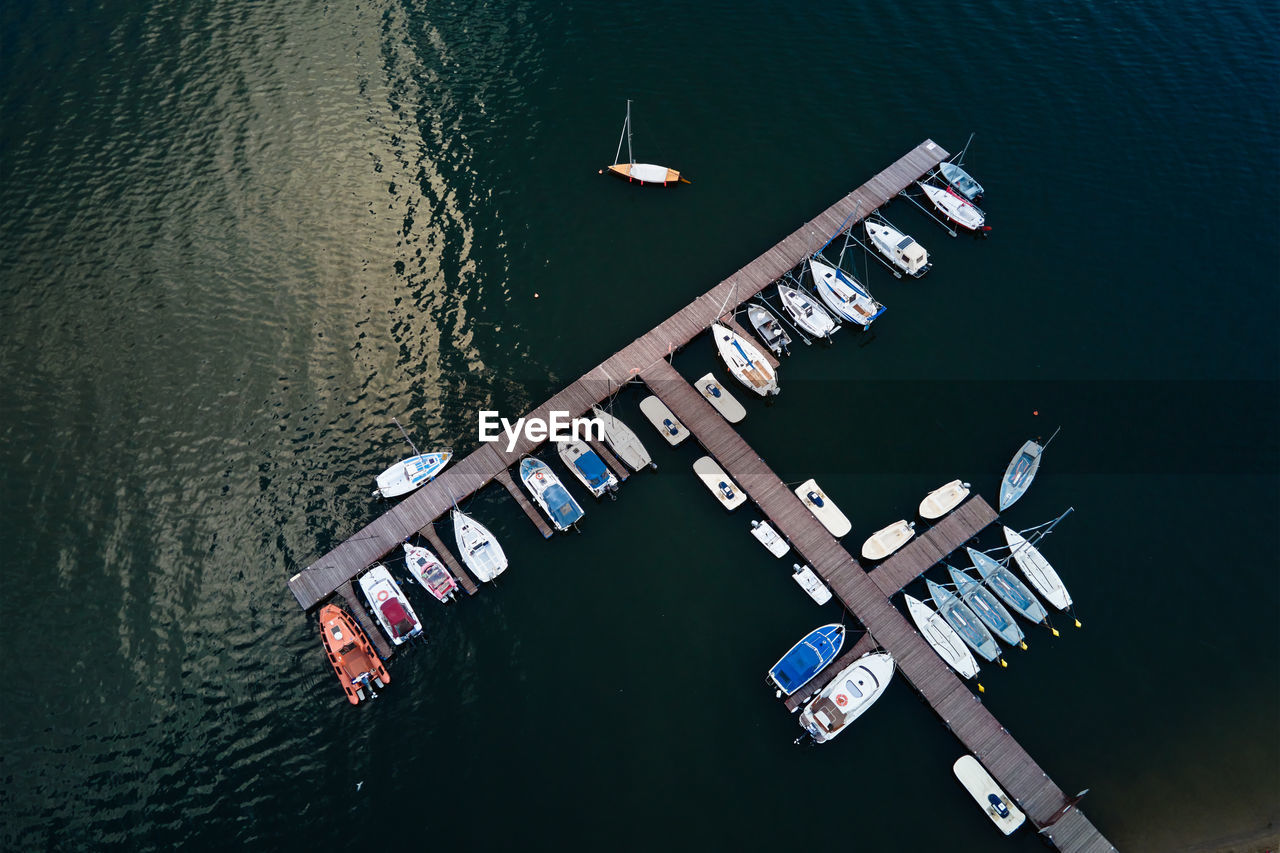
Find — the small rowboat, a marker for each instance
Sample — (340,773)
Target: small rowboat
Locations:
(885,541)
(950,204)
(428,570)
(943,499)
(351,655)
(961,181)
(769,538)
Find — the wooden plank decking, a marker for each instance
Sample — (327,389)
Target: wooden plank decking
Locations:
(504,477)
(931,546)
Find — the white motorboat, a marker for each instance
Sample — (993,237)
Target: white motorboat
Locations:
(663,420)
(843,294)
(718,483)
(1037,570)
(430,572)
(993,801)
(955,207)
(847,696)
(899,249)
(823,508)
(585,464)
(408,474)
(885,541)
(623,441)
(943,499)
(769,538)
(747,364)
(389,605)
(769,329)
(478,548)
(942,637)
(805,314)
(550,494)
(720,399)
(811,584)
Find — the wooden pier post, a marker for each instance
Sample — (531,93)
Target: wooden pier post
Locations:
(504,477)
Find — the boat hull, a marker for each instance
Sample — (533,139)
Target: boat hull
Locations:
(942,637)
(847,696)
(587,467)
(887,540)
(987,607)
(478,548)
(978,782)
(808,580)
(806,659)
(389,605)
(846,298)
(954,207)
(965,623)
(900,250)
(1008,588)
(943,499)
(806,315)
(412,473)
(351,654)
(430,572)
(747,364)
(646,173)
(624,442)
(961,181)
(1019,474)
(769,329)
(550,494)
(1037,570)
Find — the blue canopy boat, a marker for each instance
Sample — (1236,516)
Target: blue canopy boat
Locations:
(1012,591)
(958,616)
(806,659)
(550,493)
(983,603)
(587,466)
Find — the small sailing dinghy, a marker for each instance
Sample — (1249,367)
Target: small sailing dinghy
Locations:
(984,604)
(430,572)
(624,443)
(809,582)
(663,420)
(390,605)
(588,467)
(942,637)
(1021,471)
(844,295)
(477,547)
(718,483)
(351,655)
(720,399)
(962,619)
(1038,570)
(823,508)
(549,493)
(747,364)
(645,173)
(1005,584)
(809,317)
(806,659)
(989,796)
(769,329)
(408,474)
(961,181)
(954,207)
(943,499)
(847,696)
(769,538)
(900,249)
(885,541)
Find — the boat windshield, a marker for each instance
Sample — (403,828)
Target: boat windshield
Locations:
(852,688)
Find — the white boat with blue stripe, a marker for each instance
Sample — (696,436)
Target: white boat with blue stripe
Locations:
(408,474)
(844,294)
(747,364)
(550,494)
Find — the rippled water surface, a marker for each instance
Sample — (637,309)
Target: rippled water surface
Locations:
(237,238)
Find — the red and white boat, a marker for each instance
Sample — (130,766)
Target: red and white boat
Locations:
(389,604)
(430,572)
(955,207)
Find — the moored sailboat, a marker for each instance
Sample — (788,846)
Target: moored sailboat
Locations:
(955,207)
(623,441)
(747,364)
(942,637)
(408,474)
(844,295)
(1006,585)
(645,173)
(806,315)
(966,624)
(1038,570)
(987,608)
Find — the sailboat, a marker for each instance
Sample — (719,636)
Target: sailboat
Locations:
(408,474)
(745,362)
(624,442)
(1021,471)
(962,619)
(477,547)
(942,637)
(982,602)
(844,295)
(769,329)
(1038,570)
(805,314)
(645,173)
(1005,584)
(959,210)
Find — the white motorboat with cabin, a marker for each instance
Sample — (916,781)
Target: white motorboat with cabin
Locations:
(718,483)
(585,464)
(886,540)
(663,420)
(769,538)
(1037,570)
(389,605)
(747,364)
(623,441)
(955,207)
(989,796)
(943,499)
(805,314)
(899,249)
(811,583)
(942,637)
(720,399)
(478,548)
(823,508)
(769,329)
(847,298)
(550,494)
(847,696)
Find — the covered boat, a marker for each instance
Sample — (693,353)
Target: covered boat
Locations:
(943,499)
(955,207)
(769,538)
(478,548)
(389,604)
(806,659)
(808,580)
(899,249)
(769,329)
(549,493)
(351,655)
(961,181)
(1018,476)
(987,608)
(805,314)
(1006,585)
(430,572)
(408,474)
(847,696)
(885,541)
(1037,570)
(623,441)
(663,420)
(587,466)
(844,295)
(989,796)
(747,364)
(942,637)
(720,398)
(962,619)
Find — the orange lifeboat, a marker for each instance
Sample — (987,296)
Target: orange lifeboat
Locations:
(351,655)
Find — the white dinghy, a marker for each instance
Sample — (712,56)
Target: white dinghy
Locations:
(718,483)
(663,420)
(623,441)
(805,314)
(823,508)
(720,399)
(844,295)
(885,541)
(645,173)
(811,584)
(993,801)
(747,364)
(1037,570)
(943,499)
(900,249)
(769,538)
(477,547)
(954,207)
(942,637)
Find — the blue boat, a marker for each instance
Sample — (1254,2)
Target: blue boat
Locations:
(961,618)
(408,474)
(550,493)
(983,603)
(806,659)
(588,467)
(1005,584)
(1021,471)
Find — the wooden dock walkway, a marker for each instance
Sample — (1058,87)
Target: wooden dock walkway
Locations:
(504,477)
(927,549)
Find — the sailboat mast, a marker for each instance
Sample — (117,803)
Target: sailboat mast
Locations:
(631,158)
(626,126)
(406,437)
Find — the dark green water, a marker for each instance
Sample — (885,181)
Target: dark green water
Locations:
(237,238)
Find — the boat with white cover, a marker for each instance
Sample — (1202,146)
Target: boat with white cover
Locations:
(823,508)
(747,364)
(886,540)
(430,572)
(769,329)
(943,499)
(478,548)
(806,659)
(1037,570)
(847,696)
(645,173)
(1005,584)
(989,796)
(810,583)
(585,464)
(844,295)
(408,474)
(718,483)
(900,249)
(955,207)
(550,494)
(769,538)
(987,608)
(720,399)
(942,637)
(805,314)
(389,605)
(663,420)
(961,181)
(966,624)
(623,441)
